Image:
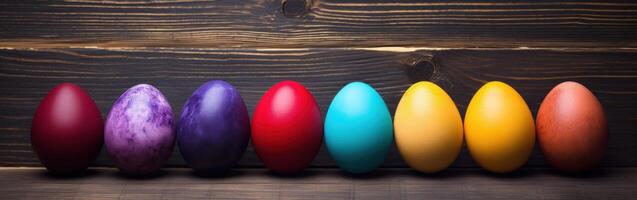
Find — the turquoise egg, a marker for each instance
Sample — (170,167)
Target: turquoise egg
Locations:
(358,128)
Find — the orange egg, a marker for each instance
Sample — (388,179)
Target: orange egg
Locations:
(499,128)
(571,127)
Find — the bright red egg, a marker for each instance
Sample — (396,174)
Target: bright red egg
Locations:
(287,128)
(571,128)
(67,131)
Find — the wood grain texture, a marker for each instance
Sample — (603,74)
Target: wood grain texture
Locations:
(34,183)
(318,23)
(26,75)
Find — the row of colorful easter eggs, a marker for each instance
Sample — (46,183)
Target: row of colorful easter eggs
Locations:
(287,128)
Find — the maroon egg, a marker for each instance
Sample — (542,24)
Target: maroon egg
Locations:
(571,128)
(67,130)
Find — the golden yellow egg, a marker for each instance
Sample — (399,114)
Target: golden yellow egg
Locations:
(499,128)
(428,128)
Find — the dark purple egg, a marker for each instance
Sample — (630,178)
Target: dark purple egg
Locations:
(139,133)
(214,128)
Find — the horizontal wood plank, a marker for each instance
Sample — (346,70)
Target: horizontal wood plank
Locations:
(106,183)
(319,23)
(26,75)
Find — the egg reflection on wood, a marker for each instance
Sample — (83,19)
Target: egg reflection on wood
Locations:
(358,128)
(499,128)
(572,128)
(428,128)
(139,133)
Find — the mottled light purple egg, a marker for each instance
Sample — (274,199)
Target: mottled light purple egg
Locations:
(139,132)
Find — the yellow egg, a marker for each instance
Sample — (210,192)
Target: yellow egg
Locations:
(428,128)
(499,128)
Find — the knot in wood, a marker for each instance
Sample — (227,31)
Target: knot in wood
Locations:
(295,8)
(421,66)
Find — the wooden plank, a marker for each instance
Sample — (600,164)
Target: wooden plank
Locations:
(106,183)
(26,75)
(319,23)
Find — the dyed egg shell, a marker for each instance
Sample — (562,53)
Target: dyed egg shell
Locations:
(572,128)
(499,128)
(139,133)
(287,128)
(214,128)
(358,128)
(67,130)
(428,128)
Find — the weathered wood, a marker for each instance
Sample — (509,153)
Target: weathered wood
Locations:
(34,183)
(318,23)
(26,75)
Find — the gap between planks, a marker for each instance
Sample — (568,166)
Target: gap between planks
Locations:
(396,49)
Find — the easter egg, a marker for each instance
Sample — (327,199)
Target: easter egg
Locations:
(358,128)
(428,128)
(499,128)
(214,128)
(572,128)
(287,128)
(139,133)
(67,130)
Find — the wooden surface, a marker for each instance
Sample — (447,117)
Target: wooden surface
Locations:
(34,183)
(176,45)
(319,23)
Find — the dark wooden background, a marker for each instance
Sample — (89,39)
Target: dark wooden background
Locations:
(109,46)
